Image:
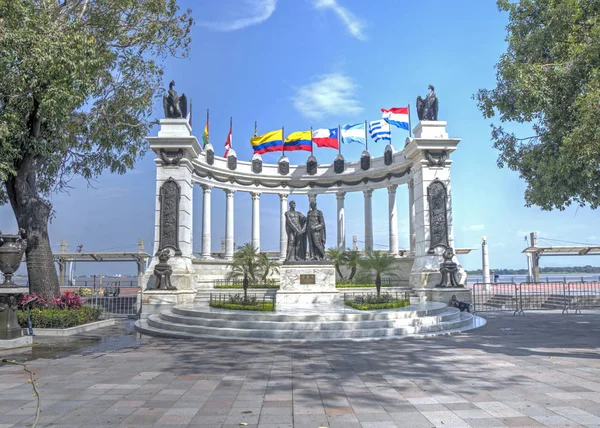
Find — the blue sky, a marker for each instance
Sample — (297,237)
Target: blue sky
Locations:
(320,63)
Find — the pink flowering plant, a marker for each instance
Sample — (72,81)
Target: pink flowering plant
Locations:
(68,300)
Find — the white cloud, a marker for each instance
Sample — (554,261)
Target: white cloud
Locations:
(331,94)
(474,228)
(255,12)
(353,24)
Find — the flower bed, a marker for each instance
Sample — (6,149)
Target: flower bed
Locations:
(371,306)
(56,312)
(267,306)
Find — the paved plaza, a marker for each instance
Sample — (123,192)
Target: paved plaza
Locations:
(542,369)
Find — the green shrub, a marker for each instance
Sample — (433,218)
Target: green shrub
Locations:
(267,306)
(371,306)
(239,286)
(352,285)
(59,318)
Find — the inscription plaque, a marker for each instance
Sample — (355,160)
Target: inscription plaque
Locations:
(306,279)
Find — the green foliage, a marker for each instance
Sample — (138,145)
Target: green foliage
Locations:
(351,259)
(359,285)
(251,266)
(59,318)
(268,284)
(267,307)
(381,263)
(365,306)
(338,257)
(549,78)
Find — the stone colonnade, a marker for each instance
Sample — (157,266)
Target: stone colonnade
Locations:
(283,207)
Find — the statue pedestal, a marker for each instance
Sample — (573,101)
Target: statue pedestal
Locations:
(155,301)
(443,294)
(306,284)
(9,324)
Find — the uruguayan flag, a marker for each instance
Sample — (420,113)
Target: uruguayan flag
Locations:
(380,131)
(353,133)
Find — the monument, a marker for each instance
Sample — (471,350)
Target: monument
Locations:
(306,277)
(427,109)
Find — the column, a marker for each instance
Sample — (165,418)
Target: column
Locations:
(411,216)
(341,221)
(206,240)
(485,264)
(368,220)
(393,231)
(255,220)
(229,224)
(283,198)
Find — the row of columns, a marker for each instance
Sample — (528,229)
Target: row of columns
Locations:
(283,198)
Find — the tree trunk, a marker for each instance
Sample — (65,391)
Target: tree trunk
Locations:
(352,273)
(245,287)
(32,214)
(378,284)
(339,272)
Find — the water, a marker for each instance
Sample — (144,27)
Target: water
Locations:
(573,277)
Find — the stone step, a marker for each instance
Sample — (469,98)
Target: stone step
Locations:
(155,322)
(449,315)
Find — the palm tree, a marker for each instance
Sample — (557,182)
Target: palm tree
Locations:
(351,259)
(246,265)
(381,263)
(267,266)
(336,255)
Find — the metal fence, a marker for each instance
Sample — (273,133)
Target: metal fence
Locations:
(115,301)
(256,301)
(235,283)
(535,296)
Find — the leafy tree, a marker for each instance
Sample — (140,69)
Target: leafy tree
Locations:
(246,264)
(337,256)
(351,259)
(549,78)
(267,266)
(382,263)
(77,80)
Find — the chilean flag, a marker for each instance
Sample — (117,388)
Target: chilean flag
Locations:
(326,138)
(397,116)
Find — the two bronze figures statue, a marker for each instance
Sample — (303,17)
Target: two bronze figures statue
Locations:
(306,234)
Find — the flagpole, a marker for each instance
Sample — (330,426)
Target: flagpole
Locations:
(409,123)
(311,143)
(207,127)
(230,129)
(282,140)
(339,139)
(190,121)
(255,129)
(366,139)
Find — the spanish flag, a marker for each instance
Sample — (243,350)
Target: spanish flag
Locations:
(299,141)
(269,142)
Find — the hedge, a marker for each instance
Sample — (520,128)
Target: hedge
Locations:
(59,318)
(361,285)
(372,306)
(267,306)
(249,287)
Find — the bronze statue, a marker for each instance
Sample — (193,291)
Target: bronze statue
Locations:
(449,270)
(427,109)
(295,227)
(175,106)
(315,227)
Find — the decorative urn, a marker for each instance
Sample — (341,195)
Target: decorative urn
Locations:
(12,248)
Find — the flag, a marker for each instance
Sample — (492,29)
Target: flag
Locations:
(397,116)
(269,142)
(298,141)
(227,144)
(205,135)
(353,133)
(326,138)
(380,130)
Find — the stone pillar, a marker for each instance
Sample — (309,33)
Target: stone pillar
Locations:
(368,220)
(393,231)
(283,198)
(429,152)
(255,220)
(206,222)
(485,264)
(411,216)
(341,221)
(229,242)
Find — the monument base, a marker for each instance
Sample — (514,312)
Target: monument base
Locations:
(155,301)
(306,284)
(9,324)
(443,294)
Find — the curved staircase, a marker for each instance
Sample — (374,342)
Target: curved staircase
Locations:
(308,324)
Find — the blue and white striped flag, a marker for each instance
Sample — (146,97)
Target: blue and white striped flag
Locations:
(380,130)
(353,133)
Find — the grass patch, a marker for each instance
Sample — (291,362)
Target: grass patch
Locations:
(266,307)
(371,306)
(59,318)
(361,285)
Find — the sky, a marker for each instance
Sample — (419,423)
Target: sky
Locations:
(320,63)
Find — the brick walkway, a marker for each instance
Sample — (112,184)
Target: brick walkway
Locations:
(542,369)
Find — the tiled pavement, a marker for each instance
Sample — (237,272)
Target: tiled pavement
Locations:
(542,369)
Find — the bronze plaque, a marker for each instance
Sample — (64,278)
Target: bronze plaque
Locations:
(308,279)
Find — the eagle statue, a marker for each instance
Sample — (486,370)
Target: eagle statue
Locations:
(175,106)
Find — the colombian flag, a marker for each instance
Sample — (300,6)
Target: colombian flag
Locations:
(269,142)
(298,141)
